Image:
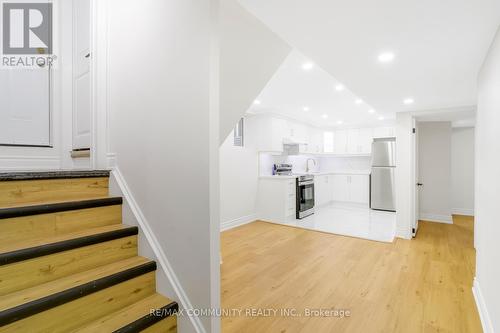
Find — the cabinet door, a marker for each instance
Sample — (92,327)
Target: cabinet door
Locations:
(353,141)
(320,190)
(365,139)
(340,142)
(384,132)
(315,141)
(359,188)
(340,188)
(278,132)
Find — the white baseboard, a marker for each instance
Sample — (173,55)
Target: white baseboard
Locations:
(28,162)
(163,261)
(481,308)
(463,211)
(237,222)
(436,218)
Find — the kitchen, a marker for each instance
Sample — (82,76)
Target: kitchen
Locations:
(307,127)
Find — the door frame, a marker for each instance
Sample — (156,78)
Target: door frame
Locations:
(415,175)
(99,158)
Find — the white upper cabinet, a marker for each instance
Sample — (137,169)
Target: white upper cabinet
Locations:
(365,139)
(356,141)
(269,133)
(341,142)
(384,132)
(315,145)
(297,132)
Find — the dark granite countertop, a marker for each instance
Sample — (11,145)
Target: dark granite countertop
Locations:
(55,174)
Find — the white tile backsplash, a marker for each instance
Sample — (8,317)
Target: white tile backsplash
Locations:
(323,164)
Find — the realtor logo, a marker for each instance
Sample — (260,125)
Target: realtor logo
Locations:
(27,28)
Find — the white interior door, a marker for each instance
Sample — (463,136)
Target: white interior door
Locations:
(25,107)
(81,74)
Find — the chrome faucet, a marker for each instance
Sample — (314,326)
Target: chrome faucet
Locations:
(307,164)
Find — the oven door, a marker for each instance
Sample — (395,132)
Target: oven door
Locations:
(305,199)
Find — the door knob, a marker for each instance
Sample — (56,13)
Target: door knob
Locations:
(420,184)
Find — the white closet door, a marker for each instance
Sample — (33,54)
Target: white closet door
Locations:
(25,106)
(81,75)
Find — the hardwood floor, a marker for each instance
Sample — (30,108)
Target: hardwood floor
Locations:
(423,285)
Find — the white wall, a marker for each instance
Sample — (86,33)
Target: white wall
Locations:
(434,159)
(250,55)
(487,193)
(405,184)
(239,172)
(162,78)
(462,170)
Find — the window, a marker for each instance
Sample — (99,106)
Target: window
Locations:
(328,142)
(238,133)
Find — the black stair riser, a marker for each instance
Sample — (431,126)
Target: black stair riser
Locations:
(6,213)
(62,174)
(43,250)
(150,319)
(31,308)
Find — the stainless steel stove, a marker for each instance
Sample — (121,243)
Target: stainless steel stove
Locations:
(305,196)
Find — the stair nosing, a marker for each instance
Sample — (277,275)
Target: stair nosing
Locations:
(22,311)
(61,174)
(65,245)
(64,206)
(150,319)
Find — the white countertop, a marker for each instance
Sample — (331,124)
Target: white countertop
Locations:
(322,173)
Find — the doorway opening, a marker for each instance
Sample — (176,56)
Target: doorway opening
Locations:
(444,166)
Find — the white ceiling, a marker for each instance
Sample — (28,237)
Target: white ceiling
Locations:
(439,47)
(292,89)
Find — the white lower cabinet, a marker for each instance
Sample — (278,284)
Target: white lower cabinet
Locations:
(323,190)
(351,188)
(340,188)
(276,198)
(359,188)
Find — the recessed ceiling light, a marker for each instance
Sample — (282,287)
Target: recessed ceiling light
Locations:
(324,116)
(408,101)
(256,102)
(386,57)
(339,87)
(359,101)
(307,66)
(340,122)
(381,118)
(371,111)
(306,108)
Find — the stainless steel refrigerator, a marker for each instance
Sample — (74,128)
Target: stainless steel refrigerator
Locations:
(382,180)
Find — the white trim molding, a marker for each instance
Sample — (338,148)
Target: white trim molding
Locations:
(463,211)
(481,308)
(238,222)
(448,219)
(157,249)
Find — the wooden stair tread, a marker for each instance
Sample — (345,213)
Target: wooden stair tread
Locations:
(135,315)
(48,245)
(55,174)
(57,206)
(23,303)
(50,202)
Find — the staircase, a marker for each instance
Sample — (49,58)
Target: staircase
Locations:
(68,264)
